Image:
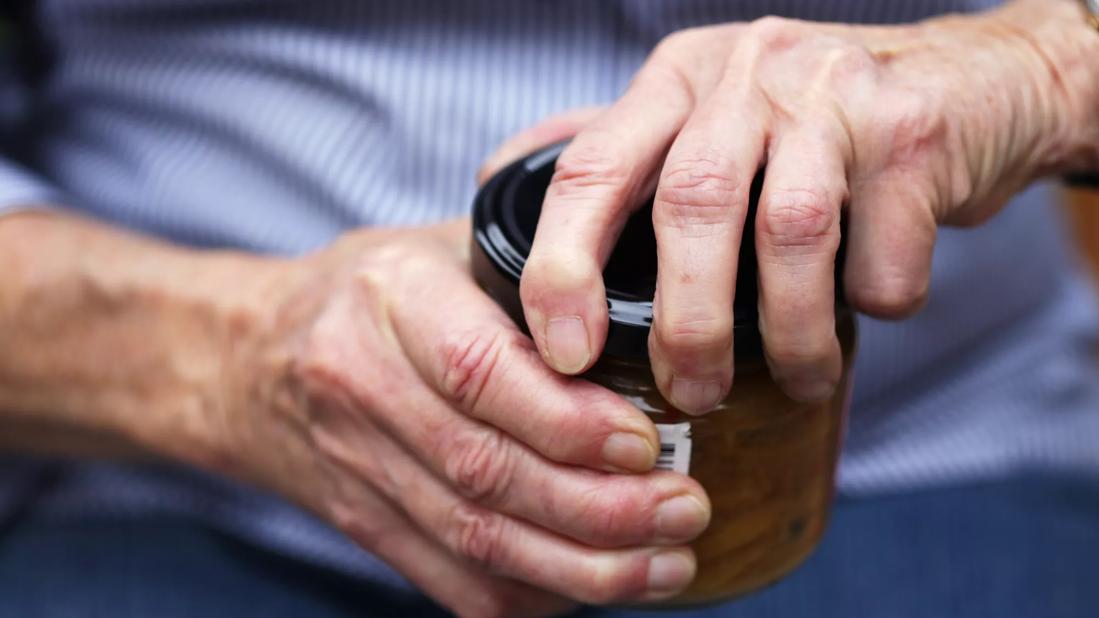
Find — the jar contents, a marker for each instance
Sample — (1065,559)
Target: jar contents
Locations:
(767,463)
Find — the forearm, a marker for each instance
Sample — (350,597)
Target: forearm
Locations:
(115,344)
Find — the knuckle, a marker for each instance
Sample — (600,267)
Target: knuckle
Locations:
(609,517)
(591,166)
(472,360)
(381,263)
(896,296)
(798,218)
(552,272)
(480,465)
(366,532)
(698,194)
(677,44)
(683,335)
(666,78)
(477,535)
(705,173)
(845,61)
(775,33)
(321,366)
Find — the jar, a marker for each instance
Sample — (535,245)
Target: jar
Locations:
(766,461)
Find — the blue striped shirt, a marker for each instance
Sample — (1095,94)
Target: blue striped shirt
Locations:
(273,126)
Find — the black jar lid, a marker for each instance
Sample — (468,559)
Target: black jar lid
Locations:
(505,216)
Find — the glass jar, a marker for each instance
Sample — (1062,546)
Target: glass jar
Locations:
(766,461)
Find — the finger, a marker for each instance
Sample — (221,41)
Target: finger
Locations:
(476,459)
(488,467)
(891,241)
(512,386)
(504,545)
(476,358)
(698,216)
(375,524)
(797,237)
(549,131)
(600,178)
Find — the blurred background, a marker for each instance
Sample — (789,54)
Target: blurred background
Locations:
(1084,208)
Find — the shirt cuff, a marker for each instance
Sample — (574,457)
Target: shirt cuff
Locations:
(22,189)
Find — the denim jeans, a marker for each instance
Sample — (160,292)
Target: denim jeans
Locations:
(1016,549)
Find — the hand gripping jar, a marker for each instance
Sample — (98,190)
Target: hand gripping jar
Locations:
(767,462)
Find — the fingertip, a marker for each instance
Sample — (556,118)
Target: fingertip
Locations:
(812,378)
(810,389)
(568,346)
(564,304)
(670,571)
(630,450)
(696,397)
(692,356)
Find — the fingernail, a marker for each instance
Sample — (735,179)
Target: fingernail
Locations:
(681,518)
(629,451)
(567,344)
(670,572)
(695,397)
(811,390)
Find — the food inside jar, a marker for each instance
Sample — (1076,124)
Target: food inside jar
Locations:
(767,463)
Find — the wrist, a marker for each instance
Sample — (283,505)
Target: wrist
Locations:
(214,310)
(1061,51)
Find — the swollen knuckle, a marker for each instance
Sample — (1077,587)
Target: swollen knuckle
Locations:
(798,218)
(705,173)
(472,360)
(586,167)
(477,535)
(480,466)
(775,33)
(609,517)
(844,62)
(699,193)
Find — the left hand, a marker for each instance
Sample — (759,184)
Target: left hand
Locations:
(908,127)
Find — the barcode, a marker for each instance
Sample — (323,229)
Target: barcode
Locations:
(675,448)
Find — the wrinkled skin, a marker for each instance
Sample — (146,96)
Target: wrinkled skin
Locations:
(411,412)
(905,127)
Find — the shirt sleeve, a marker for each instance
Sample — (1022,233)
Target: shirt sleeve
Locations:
(22,189)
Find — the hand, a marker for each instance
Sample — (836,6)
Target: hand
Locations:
(388,394)
(908,127)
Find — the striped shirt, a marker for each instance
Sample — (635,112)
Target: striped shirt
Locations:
(272,126)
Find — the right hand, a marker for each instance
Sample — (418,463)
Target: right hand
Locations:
(386,393)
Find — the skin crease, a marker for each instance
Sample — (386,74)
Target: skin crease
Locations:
(386,406)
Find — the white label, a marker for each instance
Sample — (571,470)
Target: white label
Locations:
(675,448)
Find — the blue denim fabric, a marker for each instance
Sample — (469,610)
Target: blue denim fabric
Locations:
(1019,549)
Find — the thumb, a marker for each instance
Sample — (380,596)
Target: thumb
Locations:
(551,130)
